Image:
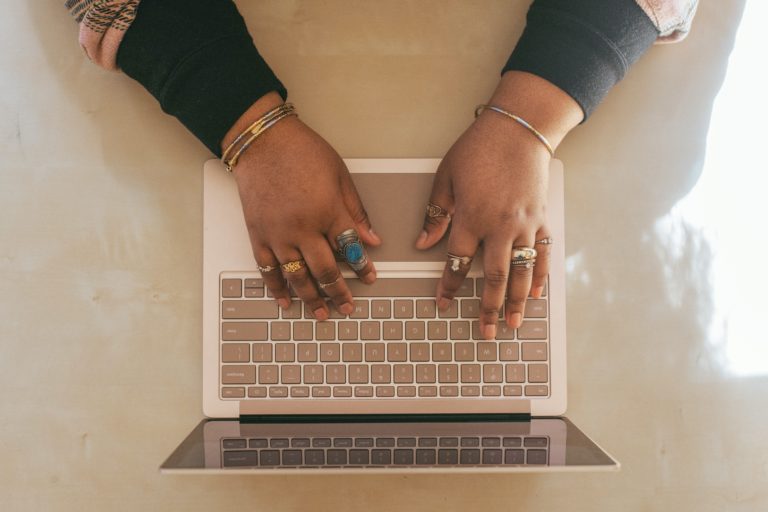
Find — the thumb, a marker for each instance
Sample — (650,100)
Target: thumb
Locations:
(357,211)
(438,213)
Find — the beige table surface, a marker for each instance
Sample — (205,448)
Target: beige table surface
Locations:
(100,258)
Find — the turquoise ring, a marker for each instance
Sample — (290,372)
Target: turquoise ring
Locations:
(351,249)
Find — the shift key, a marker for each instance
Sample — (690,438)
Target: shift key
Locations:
(246,309)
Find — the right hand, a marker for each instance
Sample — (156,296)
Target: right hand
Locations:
(297,196)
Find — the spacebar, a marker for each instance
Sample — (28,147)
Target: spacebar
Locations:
(394,287)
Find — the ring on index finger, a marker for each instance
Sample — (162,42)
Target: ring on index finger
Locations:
(351,248)
(523,256)
(458,261)
(434,211)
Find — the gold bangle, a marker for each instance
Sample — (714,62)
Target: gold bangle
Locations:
(261,125)
(520,121)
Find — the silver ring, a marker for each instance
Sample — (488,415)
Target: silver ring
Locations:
(266,268)
(351,248)
(323,286)
(523,254)
(545,241)
(524,263)
(457,261)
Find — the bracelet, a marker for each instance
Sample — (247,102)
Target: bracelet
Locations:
(521,121)
(261,125)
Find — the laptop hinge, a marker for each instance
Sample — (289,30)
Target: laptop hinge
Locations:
(381,418)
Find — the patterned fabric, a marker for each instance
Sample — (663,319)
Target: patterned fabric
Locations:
(102,26)
(671,17)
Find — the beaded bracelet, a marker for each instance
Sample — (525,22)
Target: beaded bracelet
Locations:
(261,125)
(521,121)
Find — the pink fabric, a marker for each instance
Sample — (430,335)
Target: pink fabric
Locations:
(102,26)
(672,17)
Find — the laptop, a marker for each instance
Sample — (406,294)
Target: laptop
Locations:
(397,386)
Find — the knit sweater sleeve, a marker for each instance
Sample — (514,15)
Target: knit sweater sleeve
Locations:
(584,47)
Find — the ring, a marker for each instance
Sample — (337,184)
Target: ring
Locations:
(458,260)
(351,248)
(293,266)
(267,268)
(524,263)
(545,241)
(523,254)
(434,211)
(326,285)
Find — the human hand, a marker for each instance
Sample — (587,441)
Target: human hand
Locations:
(297,197)
(493,183)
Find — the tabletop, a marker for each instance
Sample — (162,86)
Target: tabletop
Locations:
(100,258)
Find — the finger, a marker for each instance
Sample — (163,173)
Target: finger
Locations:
(496,255)
(462,244)
(344,240)
(541,269)
(357,211)
(269,268)
(302,283)
(437,220)
(519,287)
(322,265)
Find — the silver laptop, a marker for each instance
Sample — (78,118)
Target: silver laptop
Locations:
(397,385)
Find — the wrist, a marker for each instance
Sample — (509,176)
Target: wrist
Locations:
(259,107)
(549,109)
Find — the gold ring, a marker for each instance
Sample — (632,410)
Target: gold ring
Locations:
(545,241)
(434,211)
(523,254)
(293,266)
(456,261)
(524,263)
(326,285)
(266,268)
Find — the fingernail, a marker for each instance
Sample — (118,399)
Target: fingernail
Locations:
(346,308)
(320,314)
(537,291)
(515,319)
(369,278)
(374,236)
(285,303)
(443,303)
(489,331)
(422,238)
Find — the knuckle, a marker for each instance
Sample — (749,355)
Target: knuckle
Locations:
(496,278)
(522,270)
(327,274)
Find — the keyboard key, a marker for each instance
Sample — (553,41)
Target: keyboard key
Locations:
(290,374)
(381,309)
(299,391)
(534,351)
(238,374)
(535,442)
(403,308)
(270,458)
(325,331)
(452,311)
(321,391)
(292,457)
(235,353)
(397,352)
(493,373)
(448,373)
(437,330)
(268,373)
(347,331)
(234,444)
(302,331)
(306,352)
(514,457)
(512,441)
(449,441)
(470,308)
(358,374)
(370,331)
(470,456)
(342,391)
(385,391)
(419,352)
(403,373)
(254,283)
(258,443)
(490,442)
(536,390)
(470,390)
(231,288)
(532,330)
(285,352)
(254,293)
(515,372)
(245,309)
(486,351)
(364,442)
(536,457)
(470,441)
(460,330)
(392,330)
(336,374)
(476,335)
(360,309)
(380,374)
(448,456)
(342,442)
(504,332)
(374,352)
(449,390)
(403,456)
(427,391)
(359,457)
(464,351)
(244,331)
(509,351)
(330,352)
(406,391)
(406,442)
(321,442)
(426,456)
(512,390)
(425,373)
(426,308)
(385,441)
(313,374)
(470,373)
(538,373)
(381,457)
(293,312)
(394,287)
(279,442)
(280,331)
(352,352)
(244,458)
(314,457)
(257,392)
(467,288)
(337,457)
(441,352)
(415,330)
(363,391)
(278,391)
(492,456)
(535,308)
(491,390)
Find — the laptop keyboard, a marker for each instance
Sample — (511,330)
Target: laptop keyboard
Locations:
(395,345)
(383,451)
